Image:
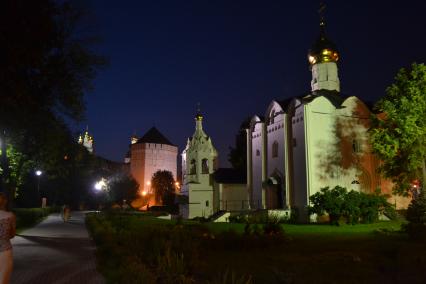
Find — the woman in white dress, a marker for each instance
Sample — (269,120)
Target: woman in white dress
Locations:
(7,231)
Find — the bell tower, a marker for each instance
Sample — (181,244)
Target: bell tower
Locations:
(323,57)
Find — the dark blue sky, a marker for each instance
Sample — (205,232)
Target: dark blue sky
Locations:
(234,57)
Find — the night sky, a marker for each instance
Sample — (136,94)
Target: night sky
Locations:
(234,57)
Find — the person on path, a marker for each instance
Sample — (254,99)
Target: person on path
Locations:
(7,231)
(66,213)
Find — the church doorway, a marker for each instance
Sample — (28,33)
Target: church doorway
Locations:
(274,193)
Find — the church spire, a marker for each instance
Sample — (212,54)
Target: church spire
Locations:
(323,57)
(321,12)
(198,119)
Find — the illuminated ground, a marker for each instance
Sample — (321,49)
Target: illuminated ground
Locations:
(55,252)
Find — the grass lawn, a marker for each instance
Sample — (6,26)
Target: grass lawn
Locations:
(371,253)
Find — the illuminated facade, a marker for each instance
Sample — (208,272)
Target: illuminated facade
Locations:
(313,141)
(199,161)
(149,154)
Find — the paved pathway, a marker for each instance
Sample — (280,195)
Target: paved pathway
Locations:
(55,252)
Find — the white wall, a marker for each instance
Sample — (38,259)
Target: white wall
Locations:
(257,160)
(298,196)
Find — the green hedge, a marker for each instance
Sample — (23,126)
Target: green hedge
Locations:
(28,217)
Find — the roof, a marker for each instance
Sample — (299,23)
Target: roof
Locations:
(332,96)
(284,103)
(230,176)
(154,136)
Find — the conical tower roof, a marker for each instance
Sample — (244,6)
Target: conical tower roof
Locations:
(154,136)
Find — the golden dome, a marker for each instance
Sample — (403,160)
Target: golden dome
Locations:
(323,50)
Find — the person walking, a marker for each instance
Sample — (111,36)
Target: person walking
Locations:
(66,213)
(7,231)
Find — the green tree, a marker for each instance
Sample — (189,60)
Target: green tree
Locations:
(330,201)
(46,68)
(416,216)
(123,187)
(163,184)
(398,134)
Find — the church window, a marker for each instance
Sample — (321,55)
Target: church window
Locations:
(193,169)
(271,117)
(207,203)
(257,153)
(275,149)
(356,147)
(205,166)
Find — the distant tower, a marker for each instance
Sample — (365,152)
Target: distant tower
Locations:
(323,57)
(86,140)
(133,140)
(199,161)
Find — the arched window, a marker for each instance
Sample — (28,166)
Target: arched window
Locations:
(205,166)
(271,117)
(257,153)
(356,146)
(193,169)
(275,149)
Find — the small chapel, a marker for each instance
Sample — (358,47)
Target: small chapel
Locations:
(208,189)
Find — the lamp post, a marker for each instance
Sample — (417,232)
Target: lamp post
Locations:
(38,174)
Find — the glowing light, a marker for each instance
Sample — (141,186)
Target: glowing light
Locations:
(148,183)
(177,184)
(326,52)
(38,173)
(100,185)
(144,193)
(312,59)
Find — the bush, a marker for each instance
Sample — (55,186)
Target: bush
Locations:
(28,217)
(330,201)
(416,216)
(353,206)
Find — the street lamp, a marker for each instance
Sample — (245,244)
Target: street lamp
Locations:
(99,185)
(38,174)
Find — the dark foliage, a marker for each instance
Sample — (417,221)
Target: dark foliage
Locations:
(416,216)
(123,187)
(28,217)
(238,155)
(163,184)
(47,65)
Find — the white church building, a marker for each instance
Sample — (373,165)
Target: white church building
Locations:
(299,146)
(306,143)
